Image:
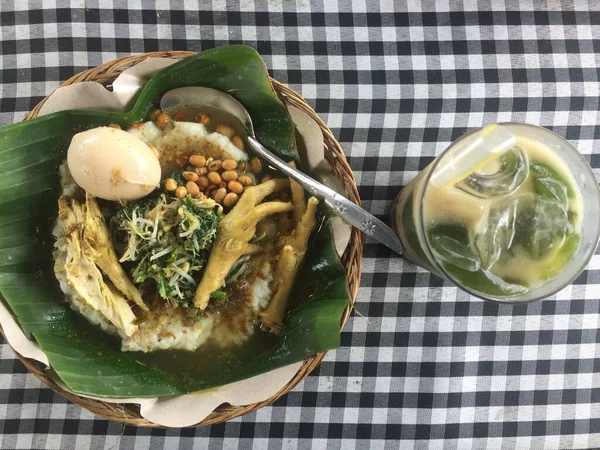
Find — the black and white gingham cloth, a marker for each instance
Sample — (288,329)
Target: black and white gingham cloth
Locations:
(423,365)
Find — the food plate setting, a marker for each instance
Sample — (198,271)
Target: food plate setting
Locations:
(154,255)
(186,261)
(182,245)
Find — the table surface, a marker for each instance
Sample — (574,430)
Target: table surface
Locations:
(421,364)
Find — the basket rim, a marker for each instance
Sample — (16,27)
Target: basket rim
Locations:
(129,413)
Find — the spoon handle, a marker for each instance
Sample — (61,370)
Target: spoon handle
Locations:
(337,204)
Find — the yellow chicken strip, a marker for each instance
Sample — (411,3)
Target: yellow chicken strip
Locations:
(271,318)
(234,233)
(99,247)
(84,277)
(288,264)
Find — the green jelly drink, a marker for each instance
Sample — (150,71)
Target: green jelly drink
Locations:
(518,228)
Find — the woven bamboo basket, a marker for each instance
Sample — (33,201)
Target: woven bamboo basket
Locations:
(129,413)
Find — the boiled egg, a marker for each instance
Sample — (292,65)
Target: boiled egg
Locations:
(112,164)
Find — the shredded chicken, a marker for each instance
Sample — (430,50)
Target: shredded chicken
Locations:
(100,249)
(83,275)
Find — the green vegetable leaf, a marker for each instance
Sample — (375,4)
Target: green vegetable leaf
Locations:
(219,294)
(90,361)
(166,238)
(178,177)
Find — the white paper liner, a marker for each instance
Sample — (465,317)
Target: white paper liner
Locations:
(315,156)
(189,409)
(90,95)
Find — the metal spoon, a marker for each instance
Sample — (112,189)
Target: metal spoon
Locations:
(198,97)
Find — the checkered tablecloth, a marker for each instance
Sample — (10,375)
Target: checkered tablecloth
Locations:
(421,365)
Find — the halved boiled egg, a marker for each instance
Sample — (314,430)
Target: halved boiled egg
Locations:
(112,164)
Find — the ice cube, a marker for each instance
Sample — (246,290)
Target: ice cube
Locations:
(499,232)
(486,282)
(533,223)
(500,177)
(541,224)
(549,183)
(552,189)
(452,245)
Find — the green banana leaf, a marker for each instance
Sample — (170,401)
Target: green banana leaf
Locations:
(90,361)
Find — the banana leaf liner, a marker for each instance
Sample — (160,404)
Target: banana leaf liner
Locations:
(83,357)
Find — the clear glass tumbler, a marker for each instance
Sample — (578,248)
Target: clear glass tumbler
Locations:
(410,210)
